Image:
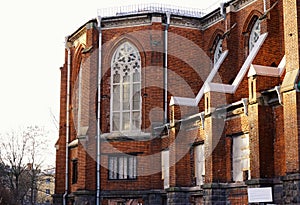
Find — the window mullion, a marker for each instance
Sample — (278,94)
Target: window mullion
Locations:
(126,59)
(121,101)
(131,100)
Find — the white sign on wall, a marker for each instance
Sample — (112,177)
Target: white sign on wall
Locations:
(260,195)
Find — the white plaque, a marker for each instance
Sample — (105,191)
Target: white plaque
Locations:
(260,195)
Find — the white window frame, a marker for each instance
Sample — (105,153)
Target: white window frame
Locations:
(77,100)
(122,167)
(126,61)
(240,157)
(199,156)
(254,34)
(218,50)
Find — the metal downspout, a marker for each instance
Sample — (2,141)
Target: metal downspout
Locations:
(98,200)
(168,15)
(265,5)
(67,123)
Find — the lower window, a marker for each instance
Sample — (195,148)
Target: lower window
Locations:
(74,171)
(241,158)
(122,167)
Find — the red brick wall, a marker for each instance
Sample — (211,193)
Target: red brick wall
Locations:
(187,70)
(60,144)
(279,144)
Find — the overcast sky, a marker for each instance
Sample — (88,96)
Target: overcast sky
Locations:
(32,50)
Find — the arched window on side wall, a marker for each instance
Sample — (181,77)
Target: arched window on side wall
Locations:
(218,49)
(125,88)
(254,34)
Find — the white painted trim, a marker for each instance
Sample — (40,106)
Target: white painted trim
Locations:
(281,65)
(267,70)
(218,87)
(131,87)
(194,101)
(224,88)
(263,71)
(74,143)
(249,60)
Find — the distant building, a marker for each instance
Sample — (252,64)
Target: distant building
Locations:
(165,105)
(45,187)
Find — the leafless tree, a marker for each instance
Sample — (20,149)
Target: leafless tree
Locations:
(21,154)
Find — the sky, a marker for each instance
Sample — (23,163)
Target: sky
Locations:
(32,51)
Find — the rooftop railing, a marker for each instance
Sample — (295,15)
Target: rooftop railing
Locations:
(155,7)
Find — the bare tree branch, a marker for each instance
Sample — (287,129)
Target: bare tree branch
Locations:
(22,155)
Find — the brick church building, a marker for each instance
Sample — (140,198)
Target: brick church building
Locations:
(165,105)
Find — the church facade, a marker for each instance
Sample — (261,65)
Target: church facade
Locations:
(164,105)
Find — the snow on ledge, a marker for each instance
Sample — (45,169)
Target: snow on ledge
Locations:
(218,87)
(249,60)
(267,70)
(225,88)
(195,101)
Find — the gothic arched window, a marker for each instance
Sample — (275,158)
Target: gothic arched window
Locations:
(218,50)
(77,99)
(125,89)
(254,34)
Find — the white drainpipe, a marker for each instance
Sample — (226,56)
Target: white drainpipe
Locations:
(168,15)
(67,123)
(265,5)
(98,200)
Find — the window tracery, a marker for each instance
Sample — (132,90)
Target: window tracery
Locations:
(126,86)
(254,34)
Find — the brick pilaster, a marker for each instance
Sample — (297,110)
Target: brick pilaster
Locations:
(290,96)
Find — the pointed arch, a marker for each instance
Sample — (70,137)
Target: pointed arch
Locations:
(251,31)
(254,34)
(215,46)
(250,20)
(76,90)
(126,88)
(218,49)
(77,61)
(111,46)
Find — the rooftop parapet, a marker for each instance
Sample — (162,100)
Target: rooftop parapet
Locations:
(157,8)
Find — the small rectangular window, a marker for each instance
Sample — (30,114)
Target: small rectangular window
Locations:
(47,191)
(122,167)
(74,171)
